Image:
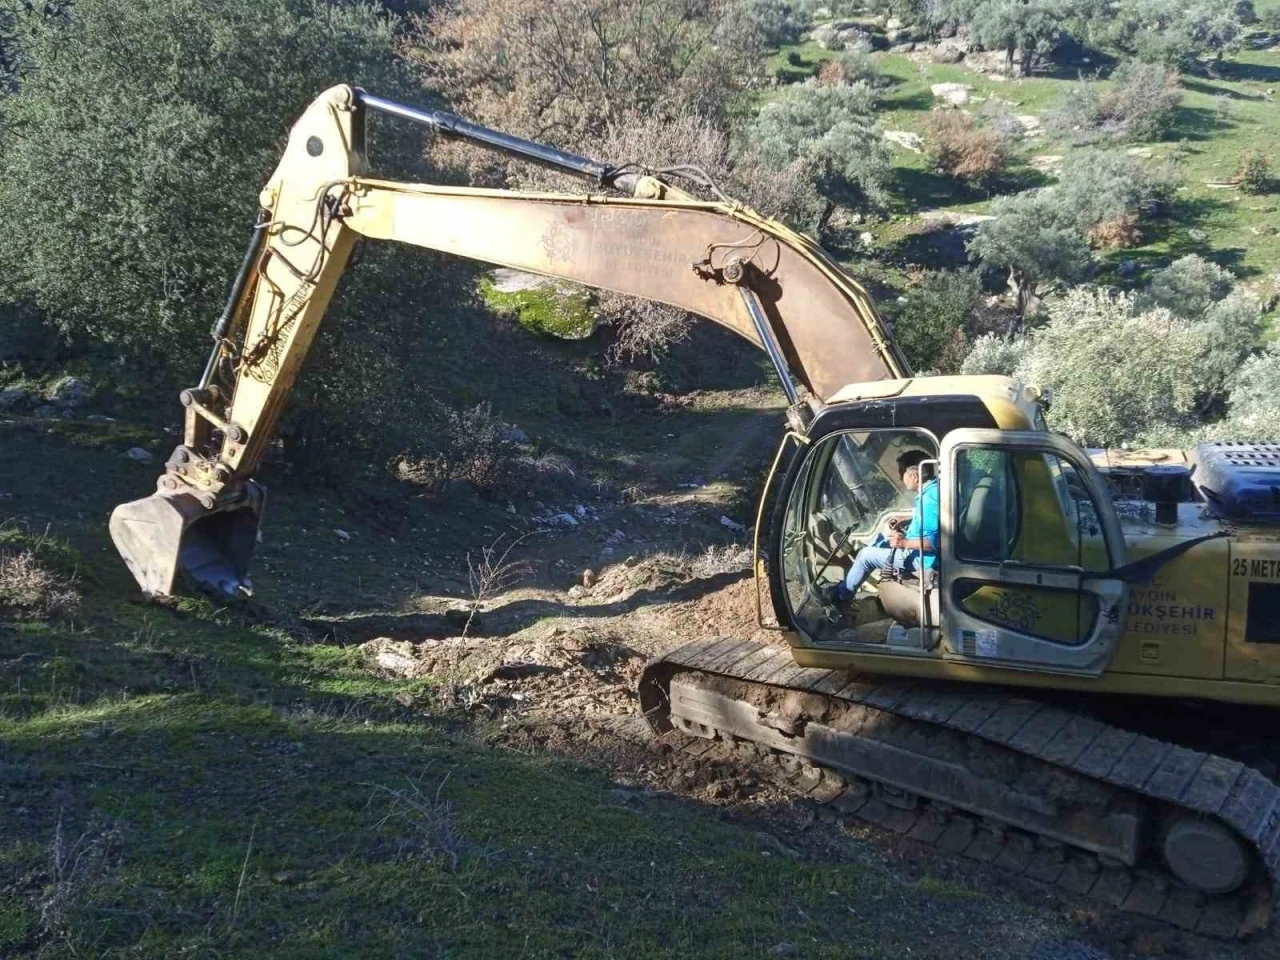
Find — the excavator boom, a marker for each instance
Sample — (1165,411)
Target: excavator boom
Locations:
(718,259)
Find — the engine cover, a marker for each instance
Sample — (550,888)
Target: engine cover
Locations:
(1239,481)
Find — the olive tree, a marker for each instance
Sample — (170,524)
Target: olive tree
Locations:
(1035,237)
(1030,28)
(1116,373)
(1177,33)
(930,324)
(1254,405)
(1123,369)
(831,130)
(142,134)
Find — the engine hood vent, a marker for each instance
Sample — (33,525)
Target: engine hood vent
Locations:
(1240,481)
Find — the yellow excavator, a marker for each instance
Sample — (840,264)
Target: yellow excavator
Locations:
(954,705)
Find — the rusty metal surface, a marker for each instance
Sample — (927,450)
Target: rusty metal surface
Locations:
(825,323)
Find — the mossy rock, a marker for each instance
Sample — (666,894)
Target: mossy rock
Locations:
(543,306)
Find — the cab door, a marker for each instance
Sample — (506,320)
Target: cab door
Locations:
(1028,536)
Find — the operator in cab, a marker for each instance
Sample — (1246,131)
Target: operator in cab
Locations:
(907,551)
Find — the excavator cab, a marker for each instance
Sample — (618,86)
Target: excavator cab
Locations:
(1024,571)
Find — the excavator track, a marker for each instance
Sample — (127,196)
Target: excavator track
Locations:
(1055,795)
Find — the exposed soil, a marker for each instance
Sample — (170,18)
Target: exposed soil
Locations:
(566,685)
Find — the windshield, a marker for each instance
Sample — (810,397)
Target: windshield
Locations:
(847,489)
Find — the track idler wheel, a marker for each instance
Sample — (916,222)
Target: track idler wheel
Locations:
(1206,855)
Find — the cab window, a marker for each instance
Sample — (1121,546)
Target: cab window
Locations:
(1026,506)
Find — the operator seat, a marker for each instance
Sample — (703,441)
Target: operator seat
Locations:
(979,538)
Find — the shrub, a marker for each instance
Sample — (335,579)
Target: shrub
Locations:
(28,588)
(1254,400)
(1143,101)
(850,67)
(831,131)
(957,147)
(1232,328)
(467,445)
(1187,287)
(1139,106)
(992,353)
(1117,373)
(934,312)
(1254,172)
(1108,192)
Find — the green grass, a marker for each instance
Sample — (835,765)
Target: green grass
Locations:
(560,310)
(228,784)
(233,793)
(1235,229)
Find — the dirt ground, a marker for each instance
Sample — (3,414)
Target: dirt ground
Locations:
(596,583)
(555,670)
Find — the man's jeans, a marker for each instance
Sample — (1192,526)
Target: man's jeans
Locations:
(870,559)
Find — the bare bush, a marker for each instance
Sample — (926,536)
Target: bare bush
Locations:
(958,147)
(1118,232)
(1139,106)
(75,868)
(30,589)
(642,328)
(465,445)
(567,70)
(491,573)
(428,817)
(714,561)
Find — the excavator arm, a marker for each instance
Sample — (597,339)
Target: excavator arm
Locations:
(752,275)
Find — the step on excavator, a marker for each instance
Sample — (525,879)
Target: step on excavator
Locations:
(954,704)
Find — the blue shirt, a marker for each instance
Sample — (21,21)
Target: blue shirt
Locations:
(924,519)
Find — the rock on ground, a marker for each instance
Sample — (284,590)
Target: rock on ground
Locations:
(952,218)
(948,51)
(507,280)
(906,139)
(953,93)
(1030,124)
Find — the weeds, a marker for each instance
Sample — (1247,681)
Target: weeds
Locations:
(27,587)
(429,817)
(75,868)
(715,561)
(492,573)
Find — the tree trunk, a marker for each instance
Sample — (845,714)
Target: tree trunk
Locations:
(1024,294)
(1028,60)
(823,220)
(1008,59)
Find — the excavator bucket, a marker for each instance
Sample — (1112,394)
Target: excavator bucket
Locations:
(164,535)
